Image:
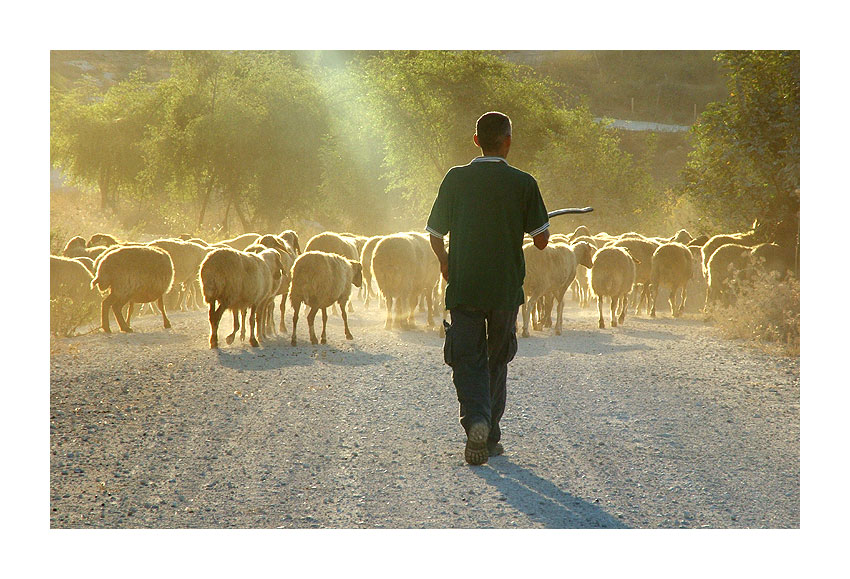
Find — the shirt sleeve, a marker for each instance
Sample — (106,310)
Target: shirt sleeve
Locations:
(439,222)
(536,216)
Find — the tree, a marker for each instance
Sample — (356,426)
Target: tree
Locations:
(95,137)
(746,158)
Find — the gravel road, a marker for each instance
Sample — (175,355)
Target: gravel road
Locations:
(659,423)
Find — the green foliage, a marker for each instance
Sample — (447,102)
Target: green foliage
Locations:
(746,161)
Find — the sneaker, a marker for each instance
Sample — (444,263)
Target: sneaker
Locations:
(476,444)
(495,448)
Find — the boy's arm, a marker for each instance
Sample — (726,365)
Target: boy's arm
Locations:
(440,251)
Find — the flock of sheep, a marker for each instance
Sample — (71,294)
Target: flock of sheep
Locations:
(247,273)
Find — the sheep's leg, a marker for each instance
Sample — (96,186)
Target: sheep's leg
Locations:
(232,335)
(130,309)
(311,317)
(348,335)
(368,284)
(122,323)
(324,339)
(165,323)
(526,309)
(283,312)
(624,304)
(653,299)
(411,314)
(252,322)
(560,320)
(215,318)
(105,306)
(684,298)
(242,332)
(296,306)
(389,324)
(599,307)
(429,297)
(615,301)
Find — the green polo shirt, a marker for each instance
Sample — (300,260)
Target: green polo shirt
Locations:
(487,206)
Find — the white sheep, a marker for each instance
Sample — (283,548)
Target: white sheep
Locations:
(547,272)
(186,257)
(319,280)
(641,249)
(233,280)
(240,242)
(404,272)
(133,274)
(671,267)
(612,276)
(292,239)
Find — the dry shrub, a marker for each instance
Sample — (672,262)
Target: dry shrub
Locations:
(765,311)
(66,316)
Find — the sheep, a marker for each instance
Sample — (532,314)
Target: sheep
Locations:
(234,280)
(331,242)
(279,262)
(72,279)
(698,241)
(612,275)
(320,279)
(199,241)
(583,251)
(292,239)
(186,257)
(276,242)
(682,236)
(133,274)
(359,240)
(698,285)
(395,267)
(581,231)
(642,249)
(724,262)
(366,261)
(88,262)
(240,242)
(747,239)
(101,239)
(547,272)
(74,246)
(771,258)
(671,267)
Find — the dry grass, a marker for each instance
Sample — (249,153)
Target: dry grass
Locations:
(766,312)
(66,316)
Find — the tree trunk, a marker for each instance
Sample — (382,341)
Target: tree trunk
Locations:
(245,224)
(207,196)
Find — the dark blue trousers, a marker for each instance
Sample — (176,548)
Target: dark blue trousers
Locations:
(479,345)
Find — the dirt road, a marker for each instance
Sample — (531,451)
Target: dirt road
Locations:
(655,424)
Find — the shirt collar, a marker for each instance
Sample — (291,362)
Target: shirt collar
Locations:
(483,159)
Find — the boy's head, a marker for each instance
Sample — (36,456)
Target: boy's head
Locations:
(491,130)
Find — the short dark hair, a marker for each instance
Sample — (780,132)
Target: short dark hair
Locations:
(492,128)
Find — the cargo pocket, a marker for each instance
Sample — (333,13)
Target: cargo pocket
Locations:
(512,347)
(447,347)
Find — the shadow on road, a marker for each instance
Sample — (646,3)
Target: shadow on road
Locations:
(543,501)
(276,355)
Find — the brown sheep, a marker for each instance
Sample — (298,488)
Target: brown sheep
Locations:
(319,280)
(612,276)
(671,267)
(133,274)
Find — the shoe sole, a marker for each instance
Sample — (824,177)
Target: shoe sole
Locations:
(476,452)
